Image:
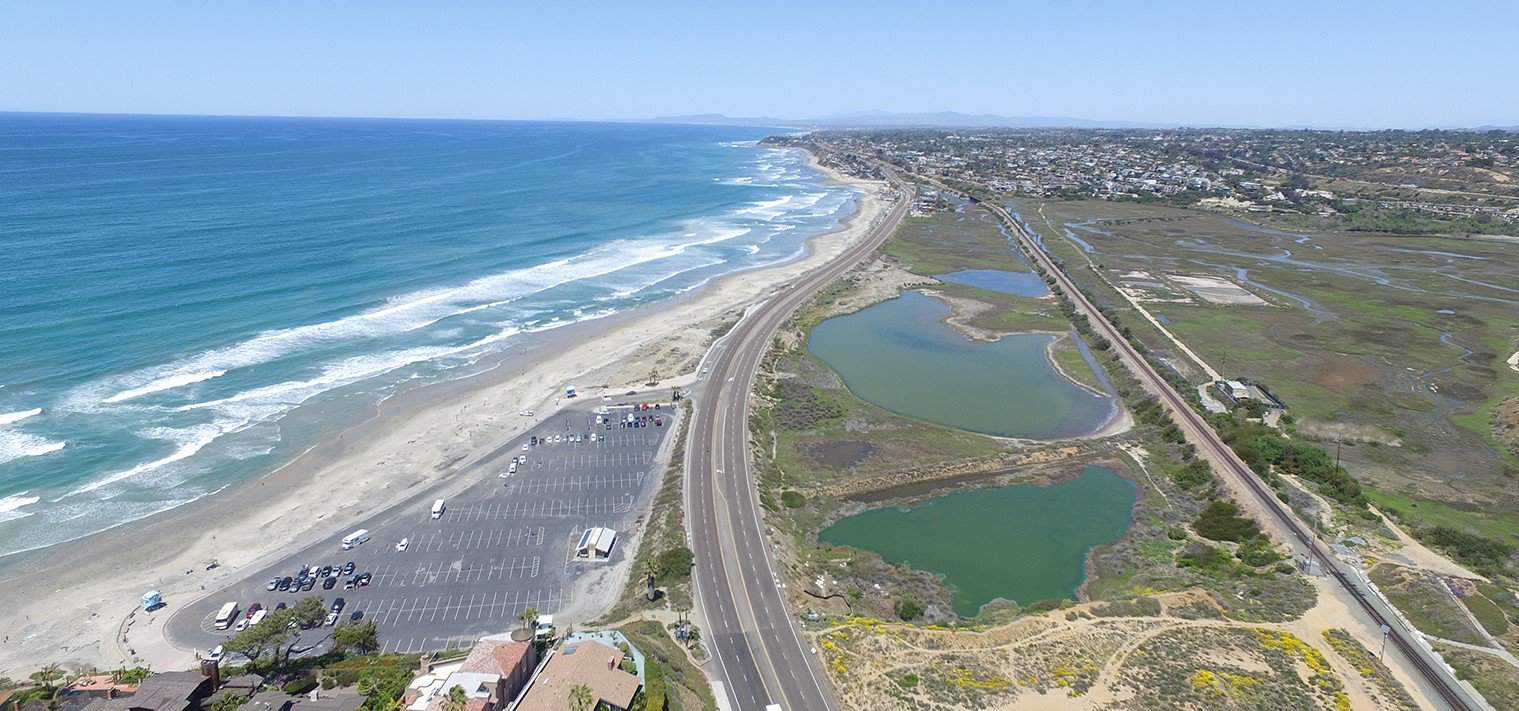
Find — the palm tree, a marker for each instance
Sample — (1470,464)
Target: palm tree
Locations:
(529,618)
(456,699)
(47,675)
(693,635)
(581,698)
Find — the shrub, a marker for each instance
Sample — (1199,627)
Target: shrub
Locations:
(908,608)
(329,682)
(1221,521)
(675,564)
(1176,533)
(1195,474)
(1470,548)
(793,499)
(300,686)
(1257,552)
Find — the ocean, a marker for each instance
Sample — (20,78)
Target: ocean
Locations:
(177,290)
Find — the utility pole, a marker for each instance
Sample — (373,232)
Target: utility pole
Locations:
(1337,453)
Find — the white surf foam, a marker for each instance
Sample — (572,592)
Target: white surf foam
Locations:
(400,314)
(190,440)
(19,445)
(10,506)
(11,418)
(167,383)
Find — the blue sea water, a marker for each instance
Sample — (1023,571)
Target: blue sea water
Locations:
(174,289)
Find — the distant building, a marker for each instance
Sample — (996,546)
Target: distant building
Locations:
(594,664)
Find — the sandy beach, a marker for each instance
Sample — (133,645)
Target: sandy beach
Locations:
(84,591)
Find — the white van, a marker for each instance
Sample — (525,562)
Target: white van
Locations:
(226,616)
(437,509)
(355,538)
(258,617)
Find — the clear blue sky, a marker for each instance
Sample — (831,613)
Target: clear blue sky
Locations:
(1384,63)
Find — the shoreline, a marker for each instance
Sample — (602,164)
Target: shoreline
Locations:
(415,437)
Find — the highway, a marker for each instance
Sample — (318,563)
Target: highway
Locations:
(760,654)
(1245,483)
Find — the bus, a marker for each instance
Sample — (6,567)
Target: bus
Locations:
(355,538)
(226,616)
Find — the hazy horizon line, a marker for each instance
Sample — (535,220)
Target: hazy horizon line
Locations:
(838,120)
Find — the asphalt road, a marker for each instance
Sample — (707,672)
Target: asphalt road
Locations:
(503,544)
(761,656)
(1228,464)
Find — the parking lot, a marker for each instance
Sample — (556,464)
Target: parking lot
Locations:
(504,544)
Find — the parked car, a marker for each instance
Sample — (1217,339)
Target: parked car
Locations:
(325,572)
(332,619)
(255,607)
(348,568)
(284,583)
(357,615)
(329,583)
(350,583)
(280,606)
(215,654)
(364,579)
(308,585)
(402,544)
(273,585)
(337,605)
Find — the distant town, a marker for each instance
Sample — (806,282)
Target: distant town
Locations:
(1382,180)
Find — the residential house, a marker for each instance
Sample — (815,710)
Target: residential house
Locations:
(593,664)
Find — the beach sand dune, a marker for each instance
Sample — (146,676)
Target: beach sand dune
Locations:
(77,603)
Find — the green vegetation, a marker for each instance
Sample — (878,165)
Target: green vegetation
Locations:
(1221,521)
(1469,548)
(793,499)
(1072,364)
(950,241)
(799,407)
(1487,612)
(1268,452)
(909,609)
(683,686)
(1495,679)
(674,564)
(1424,600)
(1418,512)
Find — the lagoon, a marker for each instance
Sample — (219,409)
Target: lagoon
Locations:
(1003,282)
(902,356)
(1023,543)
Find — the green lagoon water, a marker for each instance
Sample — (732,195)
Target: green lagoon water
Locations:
(1023,543)
(900,355)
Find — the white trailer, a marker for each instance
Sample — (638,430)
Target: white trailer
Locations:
(355,538)
(226,616)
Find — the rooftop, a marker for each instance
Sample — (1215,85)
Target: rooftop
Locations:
(585,662)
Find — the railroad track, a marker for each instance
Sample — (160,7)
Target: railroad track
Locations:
(1193,424)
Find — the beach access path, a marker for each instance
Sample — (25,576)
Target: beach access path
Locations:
(77,596)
